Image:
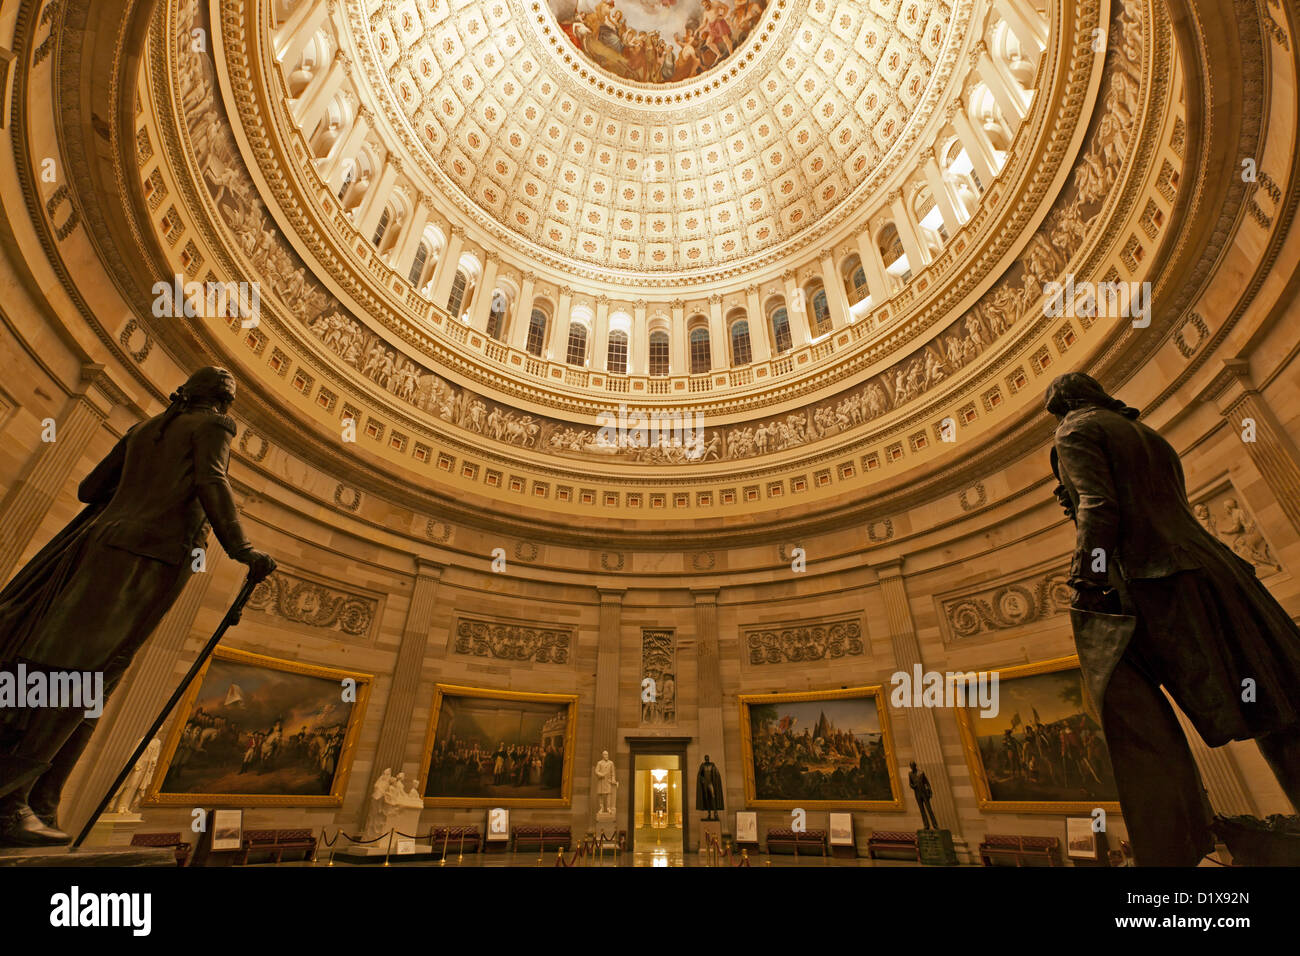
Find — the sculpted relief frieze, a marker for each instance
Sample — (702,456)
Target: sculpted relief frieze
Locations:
(802,641)
(297,600)
(512,641)
(1024,600)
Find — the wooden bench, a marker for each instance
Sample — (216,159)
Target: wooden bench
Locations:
(538,837)
(276,842)
(167,840)
(786,840)
(894,841)
(458,838)
(1023,850)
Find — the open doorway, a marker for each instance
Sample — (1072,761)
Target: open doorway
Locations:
(658,811)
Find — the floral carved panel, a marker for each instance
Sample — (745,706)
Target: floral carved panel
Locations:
(314,605)
(512,641)
(800,641)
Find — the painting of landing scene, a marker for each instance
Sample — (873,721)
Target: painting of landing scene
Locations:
(657,41)
(499,748)
(258,731)
(1043,752)
(822,749)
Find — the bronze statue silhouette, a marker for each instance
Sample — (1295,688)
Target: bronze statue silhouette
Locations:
(920,784)
(708,789)
(1161,601)
(94,594)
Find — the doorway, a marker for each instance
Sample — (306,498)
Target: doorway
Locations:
(658,811)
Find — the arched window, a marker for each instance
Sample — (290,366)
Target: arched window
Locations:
(347,179)
(536,332)
(859,280)
(700,358)
(496,314)
(577,351)
(741,352)
(659,353)
(616,355)
(781,330)
(384,218)
(457,296)
(417,267)
(821,313)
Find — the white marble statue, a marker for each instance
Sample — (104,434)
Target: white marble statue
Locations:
(393,806)
(605,782)
(128,797)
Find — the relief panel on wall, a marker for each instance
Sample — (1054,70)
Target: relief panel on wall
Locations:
(658,676)
(1011,602)
(800,641)
(1223,513)
(312,606)
(512,641)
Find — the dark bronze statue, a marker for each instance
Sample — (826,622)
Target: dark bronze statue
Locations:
(91,597)
(708,789)
(1160,601)
(920,785)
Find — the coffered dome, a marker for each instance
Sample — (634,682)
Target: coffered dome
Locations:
(535,125)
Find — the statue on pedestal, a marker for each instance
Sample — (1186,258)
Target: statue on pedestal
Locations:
(708,789)
(605,783)
(94,594)
(920,785)
(392,806)
(1160,601)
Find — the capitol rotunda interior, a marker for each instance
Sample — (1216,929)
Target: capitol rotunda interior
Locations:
(643,405)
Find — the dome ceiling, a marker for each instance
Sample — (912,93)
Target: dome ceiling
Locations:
(804,118)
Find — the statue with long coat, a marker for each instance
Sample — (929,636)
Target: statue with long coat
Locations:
(1161,601)
(95,593)
(708,789)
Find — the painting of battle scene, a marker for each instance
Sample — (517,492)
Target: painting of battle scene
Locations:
(1044,749)
(657,41)
(821,749)
(1016,295)
(500,748)
(260,731)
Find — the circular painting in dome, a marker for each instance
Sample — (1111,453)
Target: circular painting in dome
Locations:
(657,41)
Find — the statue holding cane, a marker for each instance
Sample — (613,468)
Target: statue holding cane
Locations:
(89,600)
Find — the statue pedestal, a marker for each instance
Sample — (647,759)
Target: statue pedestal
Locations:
(605,823)
(935,848)
(114,829)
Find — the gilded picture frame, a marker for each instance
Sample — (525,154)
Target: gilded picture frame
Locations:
(342,752)
(532,708)
(969,722)
(869,718)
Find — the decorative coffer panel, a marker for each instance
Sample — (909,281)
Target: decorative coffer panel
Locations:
(800,641)
(512,641)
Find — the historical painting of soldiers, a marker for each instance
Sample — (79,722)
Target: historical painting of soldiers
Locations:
(499,748)
(823,749)
(1043,751)
(657,42)
(257,731)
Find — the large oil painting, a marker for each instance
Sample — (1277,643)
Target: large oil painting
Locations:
(499,748)
(258,731)
(1043,752)
(657,41)
(819,750)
